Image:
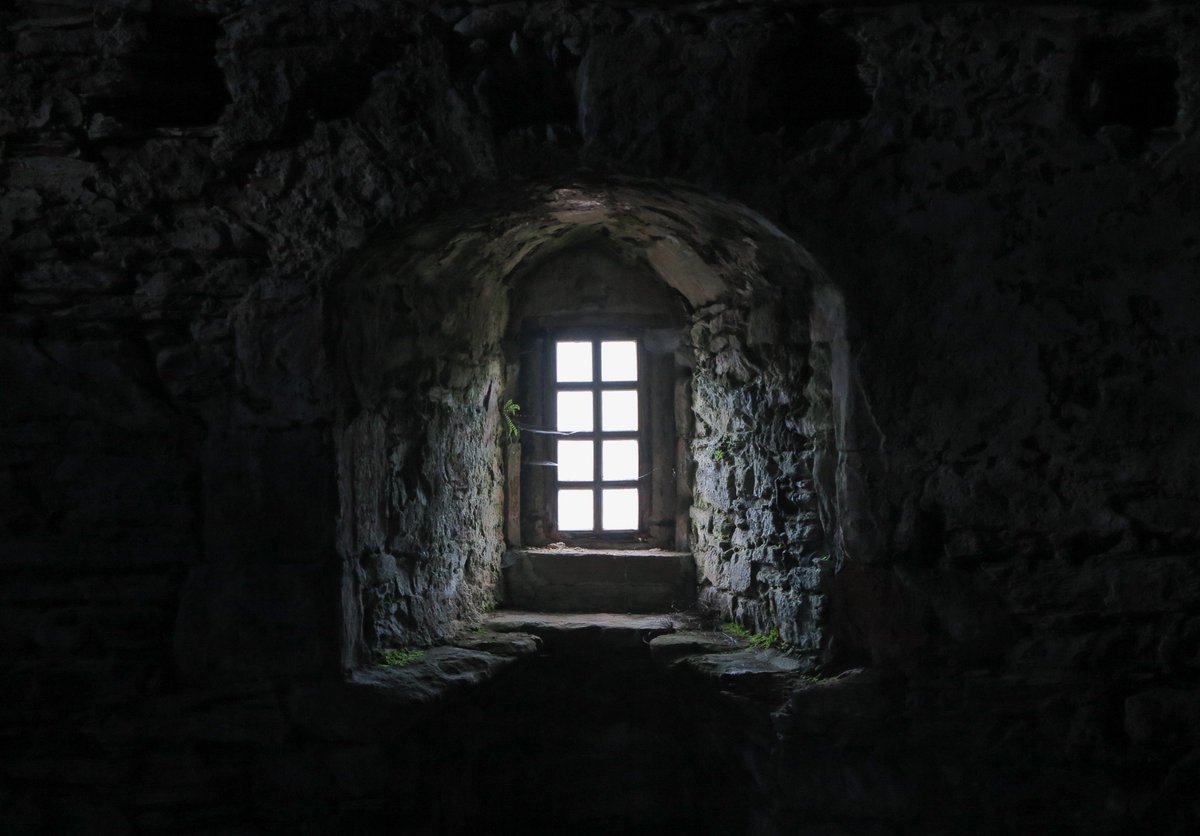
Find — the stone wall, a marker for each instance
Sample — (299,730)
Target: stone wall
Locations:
(419,358)
(760,545)
(1003,197)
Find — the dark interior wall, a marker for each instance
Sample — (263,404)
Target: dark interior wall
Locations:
(762,415)
(418,444)
(1006,199)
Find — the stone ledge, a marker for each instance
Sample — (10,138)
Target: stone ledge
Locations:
(381,703)
(737,670)
(759,675)
(608,631)
(574,580)
(500,643)
(579,551)
(674,646)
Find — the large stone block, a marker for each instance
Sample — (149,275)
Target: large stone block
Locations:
(599,581)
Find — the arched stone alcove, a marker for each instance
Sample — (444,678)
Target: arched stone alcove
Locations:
(779,444)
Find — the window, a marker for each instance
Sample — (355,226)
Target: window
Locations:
(599,462)
(596,355)
(599,446)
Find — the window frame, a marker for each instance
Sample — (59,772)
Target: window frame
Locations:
(597,335)
(664,417)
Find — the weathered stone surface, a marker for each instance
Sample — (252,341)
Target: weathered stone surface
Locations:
(760,538)
(750,663)
(606,631)
(989,380)
(384,702)
(499,643)
(760,677)
(596,581)
(672,646)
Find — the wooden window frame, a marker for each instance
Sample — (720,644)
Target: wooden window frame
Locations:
(664,463)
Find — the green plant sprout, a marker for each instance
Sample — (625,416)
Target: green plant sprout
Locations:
(718,455)
(736,630)
(761,641)
(508,411)
(400,658)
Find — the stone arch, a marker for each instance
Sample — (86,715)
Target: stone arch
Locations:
(783,449)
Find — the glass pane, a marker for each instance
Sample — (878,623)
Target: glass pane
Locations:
(575,411)
(573,362)
(576,461)
(575,510)
(618,360)
(620,509)
(619,410)
(620,460)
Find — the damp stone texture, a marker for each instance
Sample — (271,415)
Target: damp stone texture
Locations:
(256,265)
(762,552)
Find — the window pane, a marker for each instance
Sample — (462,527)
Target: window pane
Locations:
(576,461)
(620,509)
(575,411)
(619,410)
(573,362)
(618,360)
(620,460)
(575,510)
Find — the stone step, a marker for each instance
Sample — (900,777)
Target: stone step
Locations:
(599,580)
(591,630)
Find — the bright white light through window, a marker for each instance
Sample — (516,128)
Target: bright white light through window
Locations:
(573,362)
(576,461)
(619,410)
(620,460)
(578,381)
(618,361)
(620,509)
(576,511)
(575,412)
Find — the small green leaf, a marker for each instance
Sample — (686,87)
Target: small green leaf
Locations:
(509,410)
(399,658)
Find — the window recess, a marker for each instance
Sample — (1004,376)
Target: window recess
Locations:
(599,463)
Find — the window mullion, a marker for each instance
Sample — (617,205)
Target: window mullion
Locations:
(597,443)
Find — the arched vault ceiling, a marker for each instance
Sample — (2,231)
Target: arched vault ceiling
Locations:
(703,247)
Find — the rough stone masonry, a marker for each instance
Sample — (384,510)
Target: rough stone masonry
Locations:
(256,265)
